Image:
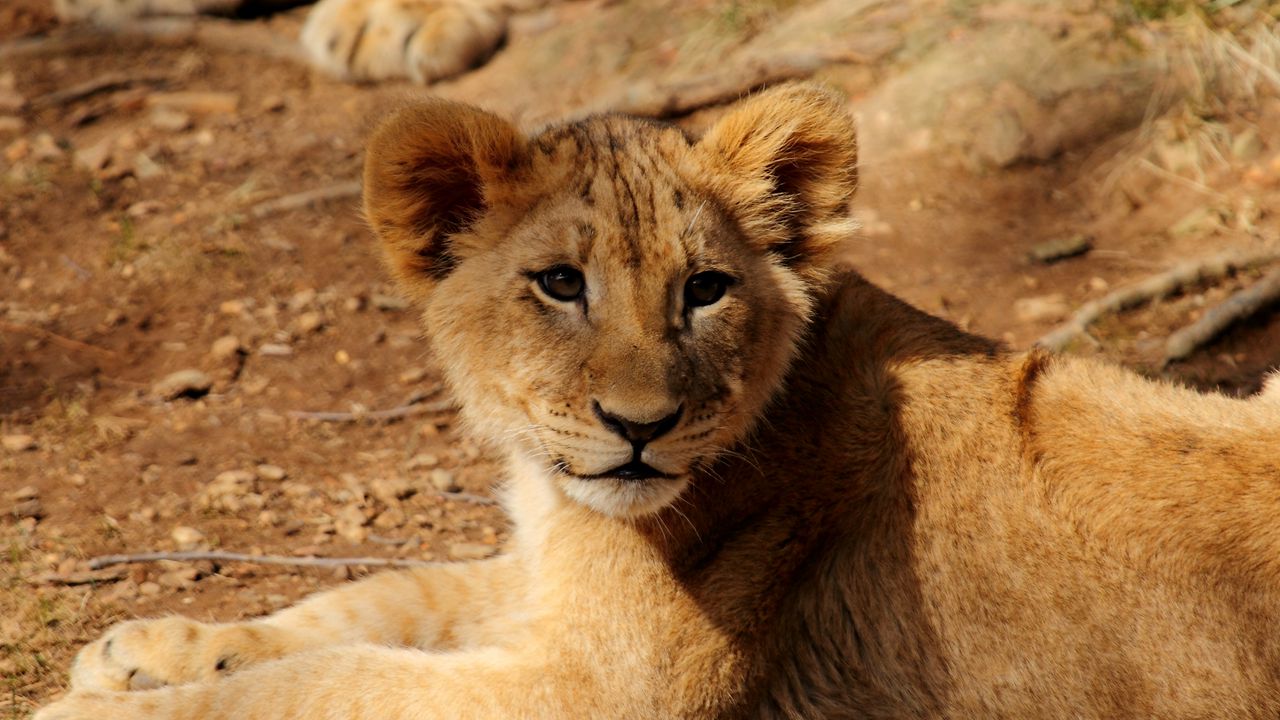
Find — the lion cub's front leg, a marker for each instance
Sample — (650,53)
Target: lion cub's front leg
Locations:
(440,607)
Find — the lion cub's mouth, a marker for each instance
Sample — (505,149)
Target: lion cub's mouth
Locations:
(635,470)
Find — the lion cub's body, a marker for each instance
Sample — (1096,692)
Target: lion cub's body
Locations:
(886,517)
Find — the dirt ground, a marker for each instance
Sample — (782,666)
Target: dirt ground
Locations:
(138,238)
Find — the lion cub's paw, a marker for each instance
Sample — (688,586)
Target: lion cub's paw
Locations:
(144,654)
(423,40)
(114,12)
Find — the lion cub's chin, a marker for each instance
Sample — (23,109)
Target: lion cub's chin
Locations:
(624,498)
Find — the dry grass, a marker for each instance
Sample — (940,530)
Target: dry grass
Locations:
(1220,60)
(40,627)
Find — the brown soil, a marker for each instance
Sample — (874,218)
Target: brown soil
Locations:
(129,246)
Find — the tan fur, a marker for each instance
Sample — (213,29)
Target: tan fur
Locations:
(869,512)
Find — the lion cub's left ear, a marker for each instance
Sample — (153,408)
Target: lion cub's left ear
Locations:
(785,163)
(431,172)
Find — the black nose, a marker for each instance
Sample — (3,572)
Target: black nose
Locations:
(637,432)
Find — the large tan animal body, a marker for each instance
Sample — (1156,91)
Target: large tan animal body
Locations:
(746,483)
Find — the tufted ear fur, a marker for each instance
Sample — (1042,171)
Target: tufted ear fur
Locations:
(430,172)
(785,163)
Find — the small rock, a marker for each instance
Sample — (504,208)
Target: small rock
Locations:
(169,119)
(443,480)
(271,473)
(18,443)
(413,376)
(10,125)
(11,102)
(181,579)
(272,103)
(225,347)
(1044,308)
(390,519)
(189,383)
(421,460)
(1051,251)
(149,588)
(391,490)
(275,350)
(231,307)
(201,103)
(302,300)
(388,303)
(45,148)
(187,538)
(24,493)
(28,509)
(309,322)
(470,551)
(95,157)
(350,524)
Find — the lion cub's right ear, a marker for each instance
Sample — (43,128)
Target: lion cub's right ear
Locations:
(430,172)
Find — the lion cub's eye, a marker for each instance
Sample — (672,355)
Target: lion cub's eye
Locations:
(706,288)
(562,283)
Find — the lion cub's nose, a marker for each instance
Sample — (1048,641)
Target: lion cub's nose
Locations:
(637,432)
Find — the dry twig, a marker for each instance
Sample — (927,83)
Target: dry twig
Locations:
(96,576)
(1154,287)
(672,99)
(231,36)
(1241,305)
(220,556)
(394,413)
(102,83)
(307,198)
(56,339)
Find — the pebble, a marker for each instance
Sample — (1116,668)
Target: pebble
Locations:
(28,509)
(421,460)
(189,383)
(413,376)
(18,443)
(302,300)
(443,480)
(391,490)
(24,493)
(1051,251)
(170,119)
(271,473)
(187,538)
(470,551)
(231,307)
(309,322)
(388,303)
(390,519)
(1041,308)
(225,347)
(149,588)
(350,524)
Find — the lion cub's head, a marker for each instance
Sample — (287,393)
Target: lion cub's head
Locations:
(610,297)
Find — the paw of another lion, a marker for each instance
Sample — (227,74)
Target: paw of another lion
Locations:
(423,40)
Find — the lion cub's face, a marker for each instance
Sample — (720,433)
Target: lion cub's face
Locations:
(611,298)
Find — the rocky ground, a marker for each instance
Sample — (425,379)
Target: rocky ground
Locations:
(172,310)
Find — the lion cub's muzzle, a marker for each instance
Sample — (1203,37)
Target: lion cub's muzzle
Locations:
(638,434)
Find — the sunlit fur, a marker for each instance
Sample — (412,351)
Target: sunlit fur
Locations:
(872,514)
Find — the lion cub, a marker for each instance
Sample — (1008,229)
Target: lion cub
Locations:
(746,484)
